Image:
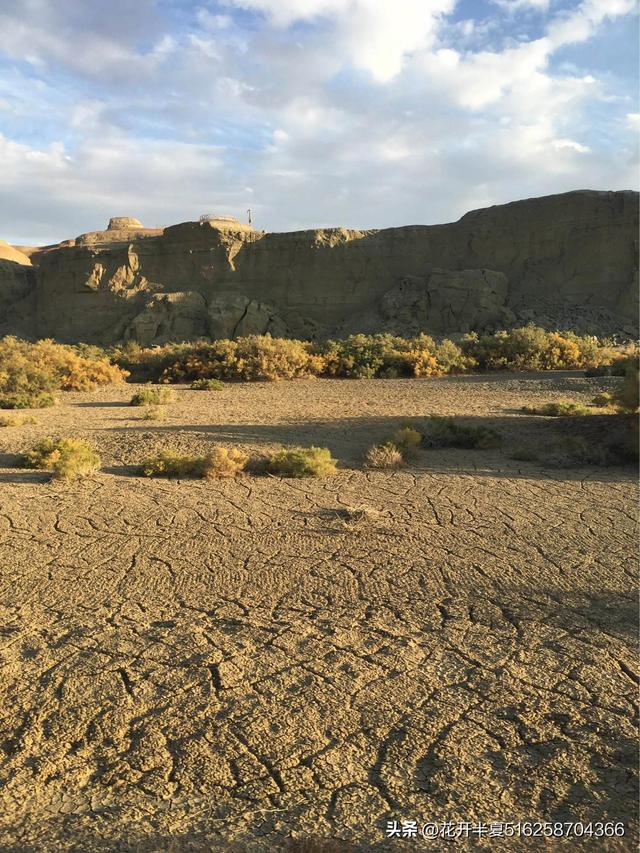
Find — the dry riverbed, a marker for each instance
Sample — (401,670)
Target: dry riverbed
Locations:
(249,665)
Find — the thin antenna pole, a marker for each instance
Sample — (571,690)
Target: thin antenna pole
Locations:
(249,212)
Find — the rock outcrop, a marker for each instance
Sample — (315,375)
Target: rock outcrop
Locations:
(568,260)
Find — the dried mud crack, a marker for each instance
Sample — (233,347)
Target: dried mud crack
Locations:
(247,665)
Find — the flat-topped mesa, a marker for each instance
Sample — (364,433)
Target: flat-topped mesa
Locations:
(121,223)
(120,229)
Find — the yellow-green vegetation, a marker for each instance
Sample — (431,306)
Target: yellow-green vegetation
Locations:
(153,413)
(559,409)
(223,462)
(407,439)
(261,357)
(16,420)
(604,400)
(302,462)
(206,385)
(448,432)
(385,455)
(68,458)
(533,348)
(30,372)
(171,463)
(152,397)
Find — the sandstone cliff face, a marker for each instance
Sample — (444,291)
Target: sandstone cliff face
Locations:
(571,257)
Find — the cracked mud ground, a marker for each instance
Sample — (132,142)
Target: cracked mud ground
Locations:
(238,666)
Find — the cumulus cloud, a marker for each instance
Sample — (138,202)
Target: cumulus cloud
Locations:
(311,112)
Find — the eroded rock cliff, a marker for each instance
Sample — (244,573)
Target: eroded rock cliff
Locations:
(568,259)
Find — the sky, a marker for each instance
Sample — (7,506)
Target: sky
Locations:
(312,113)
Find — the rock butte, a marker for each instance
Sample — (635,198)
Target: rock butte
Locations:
(567,261)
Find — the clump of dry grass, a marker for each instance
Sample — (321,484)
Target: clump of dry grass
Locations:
(152,397)
(223,462)
(383,456)
(302,462)
(69,458)
(562,408)
(153,413)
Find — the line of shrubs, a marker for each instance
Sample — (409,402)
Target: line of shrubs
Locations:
(30,373)
(261,357)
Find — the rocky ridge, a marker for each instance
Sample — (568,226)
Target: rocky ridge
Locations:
(567,261)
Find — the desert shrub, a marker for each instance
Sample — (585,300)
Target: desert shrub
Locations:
(407,439)
(27,400)
(384,355)
(152,397)
(532,348)
(385,455)
(447,432)
(252,358)
(302,462)
(206,385)
(451,358)
(224,462)
(153,413)
(577,450)
(30,371)
(16,420)
(562,408)
(604,400)
(524,453)
(69,458)
(626,398)
(170,463)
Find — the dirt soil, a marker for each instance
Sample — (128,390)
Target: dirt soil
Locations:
(248,665)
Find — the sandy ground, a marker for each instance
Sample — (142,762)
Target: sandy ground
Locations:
(235,665)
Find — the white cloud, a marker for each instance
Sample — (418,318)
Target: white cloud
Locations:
(447,116)
(633,120)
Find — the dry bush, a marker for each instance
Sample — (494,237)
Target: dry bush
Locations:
(29,372)
(206,385)
(302,462)
(171,463)
(252,358)
(532,348)
(604,400)
(152,397)
(562,408)
(386,455)
(69,458)
(524,453)
(447,432)
(223,462)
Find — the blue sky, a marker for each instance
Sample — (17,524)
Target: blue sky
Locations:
(313,113)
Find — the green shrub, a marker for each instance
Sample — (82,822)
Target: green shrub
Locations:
(27,400)
(223,462)
(69,458)
(152,397)
(385,455)
(16,420)
(171,463)
(447,432)
(206,385)
(302,462)
(563,408)
(627,397)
